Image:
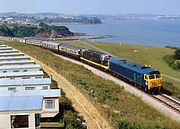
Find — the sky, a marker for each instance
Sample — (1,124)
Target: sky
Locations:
(92,6)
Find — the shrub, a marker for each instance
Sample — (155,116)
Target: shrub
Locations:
(169,59)
(170,87)
(71,121)
(177,54)
(126,125)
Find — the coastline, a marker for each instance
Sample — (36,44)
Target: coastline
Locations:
(78,37)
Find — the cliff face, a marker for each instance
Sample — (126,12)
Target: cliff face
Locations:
(43,30)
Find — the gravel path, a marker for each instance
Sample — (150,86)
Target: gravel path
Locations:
(173,78)
(143,96)
(93,117)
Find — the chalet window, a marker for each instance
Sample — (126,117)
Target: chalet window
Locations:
(12,89)
(29,88)
(49,104)
(19,121)
(24,70)
(16,71)
(45,87)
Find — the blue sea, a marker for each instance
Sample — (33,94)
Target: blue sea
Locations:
(148,32)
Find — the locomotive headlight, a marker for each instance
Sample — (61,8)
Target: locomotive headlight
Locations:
(146,82)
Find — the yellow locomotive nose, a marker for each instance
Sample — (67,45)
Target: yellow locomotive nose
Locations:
(155,83)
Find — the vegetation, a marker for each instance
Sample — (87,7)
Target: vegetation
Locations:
(174,60)
(151,56)
(112,100)
(43,30)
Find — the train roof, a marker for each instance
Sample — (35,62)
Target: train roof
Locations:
(69,46)
(131,65)
(50,43)
(95,52)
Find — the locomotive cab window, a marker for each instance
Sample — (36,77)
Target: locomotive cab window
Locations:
(145,77)
(158,76)
(151,76)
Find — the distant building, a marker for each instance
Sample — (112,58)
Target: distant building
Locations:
(5,48)
(24,75)
(17,62)
(20,112)
(14,58)
(10,54)
(9,51)
(24,84)
(20,68)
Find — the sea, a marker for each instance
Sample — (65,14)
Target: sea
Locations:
(147,32)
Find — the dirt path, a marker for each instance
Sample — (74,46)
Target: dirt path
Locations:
(93,117)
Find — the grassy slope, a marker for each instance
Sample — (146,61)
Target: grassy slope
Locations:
(148,55)
(120,105)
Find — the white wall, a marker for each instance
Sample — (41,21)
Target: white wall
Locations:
(5,118)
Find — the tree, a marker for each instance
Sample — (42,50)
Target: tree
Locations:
(177,54)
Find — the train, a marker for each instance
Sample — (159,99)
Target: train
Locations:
(141,76)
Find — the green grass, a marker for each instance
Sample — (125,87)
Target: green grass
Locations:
(53,124)
(147,55)
(112,100)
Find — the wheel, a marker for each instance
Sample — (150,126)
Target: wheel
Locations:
(146,90)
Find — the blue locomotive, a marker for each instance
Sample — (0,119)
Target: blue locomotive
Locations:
(142,76)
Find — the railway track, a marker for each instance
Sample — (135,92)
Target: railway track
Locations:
(168,101)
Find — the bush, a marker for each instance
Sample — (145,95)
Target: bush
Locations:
(169,59)
(125,125)
(71,121)
(170,87)
(177,54)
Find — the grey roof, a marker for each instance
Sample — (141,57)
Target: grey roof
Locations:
(50,43)
(8,51)
(69,46)
(9,103)
(15,67)
(5,48)
(25,82)
(12,62)
(45,93)
(10,54)
(21,74)
(2,45)
(14,58)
